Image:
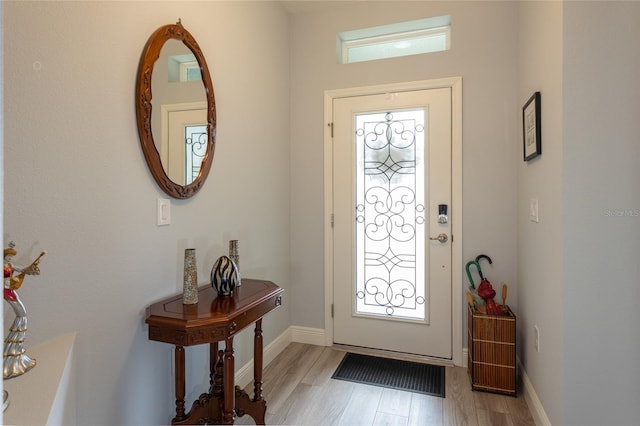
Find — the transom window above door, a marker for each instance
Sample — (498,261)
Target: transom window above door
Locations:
(395,40)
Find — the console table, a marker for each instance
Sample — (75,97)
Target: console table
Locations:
(212,320)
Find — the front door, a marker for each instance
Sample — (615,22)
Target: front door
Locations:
(392,199)
(183,140)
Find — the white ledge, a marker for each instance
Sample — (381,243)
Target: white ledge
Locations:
(44,395)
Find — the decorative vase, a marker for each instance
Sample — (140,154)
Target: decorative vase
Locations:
(224,276)
(234,255)
(190,285)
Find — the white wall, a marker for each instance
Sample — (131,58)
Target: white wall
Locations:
(540,245)
(76,184)
(483,53)
(601,218)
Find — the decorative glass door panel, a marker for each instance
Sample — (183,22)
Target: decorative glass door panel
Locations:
(195,144)
(390,214)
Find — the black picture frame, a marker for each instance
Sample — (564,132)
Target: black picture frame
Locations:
(531,128)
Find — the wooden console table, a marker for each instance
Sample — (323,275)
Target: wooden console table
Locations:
(212,320)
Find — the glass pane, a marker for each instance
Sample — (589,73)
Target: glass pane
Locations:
(395,48)
(195,149)
(390,214)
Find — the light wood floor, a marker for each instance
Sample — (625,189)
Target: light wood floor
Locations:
(299,391)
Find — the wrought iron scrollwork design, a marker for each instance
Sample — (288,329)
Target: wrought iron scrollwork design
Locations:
(388,212)
(196,144)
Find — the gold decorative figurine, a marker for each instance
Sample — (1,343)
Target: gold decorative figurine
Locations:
(16,361)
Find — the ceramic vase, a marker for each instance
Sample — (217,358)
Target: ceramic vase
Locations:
(224,276)
(190,285)
(234,255)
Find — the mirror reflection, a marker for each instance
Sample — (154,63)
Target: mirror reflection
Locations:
(176,111)
(179,118)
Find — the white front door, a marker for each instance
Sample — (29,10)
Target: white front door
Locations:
(392,180)
(183,140)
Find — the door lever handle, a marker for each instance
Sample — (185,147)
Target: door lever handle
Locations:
(443,238)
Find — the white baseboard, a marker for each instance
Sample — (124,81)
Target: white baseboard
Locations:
(465,357)
(530,396)
(308,335)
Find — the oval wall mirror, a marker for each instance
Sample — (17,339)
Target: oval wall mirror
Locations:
(176,111)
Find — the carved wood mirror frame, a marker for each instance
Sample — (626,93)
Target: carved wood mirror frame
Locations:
(148,59)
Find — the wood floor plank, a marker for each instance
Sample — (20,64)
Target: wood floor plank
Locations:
(324,367)
(493,418)
(459,406)
(394,401)
(297,408)
(425,410)
(284,377)
(490,402)
(519,411)
(387,419)
(330,402)
(362,405)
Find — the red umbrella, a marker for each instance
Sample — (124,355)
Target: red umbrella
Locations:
(486,291)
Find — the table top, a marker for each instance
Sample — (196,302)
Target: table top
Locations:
(213,317)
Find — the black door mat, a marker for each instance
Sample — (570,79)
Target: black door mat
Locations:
(392,373)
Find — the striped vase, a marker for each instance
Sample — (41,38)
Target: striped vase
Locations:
(224,276)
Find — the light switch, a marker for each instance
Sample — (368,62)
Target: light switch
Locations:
(533,210)
(164,211)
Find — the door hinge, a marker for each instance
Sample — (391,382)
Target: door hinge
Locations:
(332,219)
(331,127)
(332,310)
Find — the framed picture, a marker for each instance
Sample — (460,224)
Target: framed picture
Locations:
(531,127)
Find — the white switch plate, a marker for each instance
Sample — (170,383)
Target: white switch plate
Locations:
(164,211)
(536,338)
(533,210)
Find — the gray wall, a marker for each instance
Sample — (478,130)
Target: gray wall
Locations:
(540,245)
(601,217)
(483,55)
(76,184)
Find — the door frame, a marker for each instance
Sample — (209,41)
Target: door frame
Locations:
(455,84)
